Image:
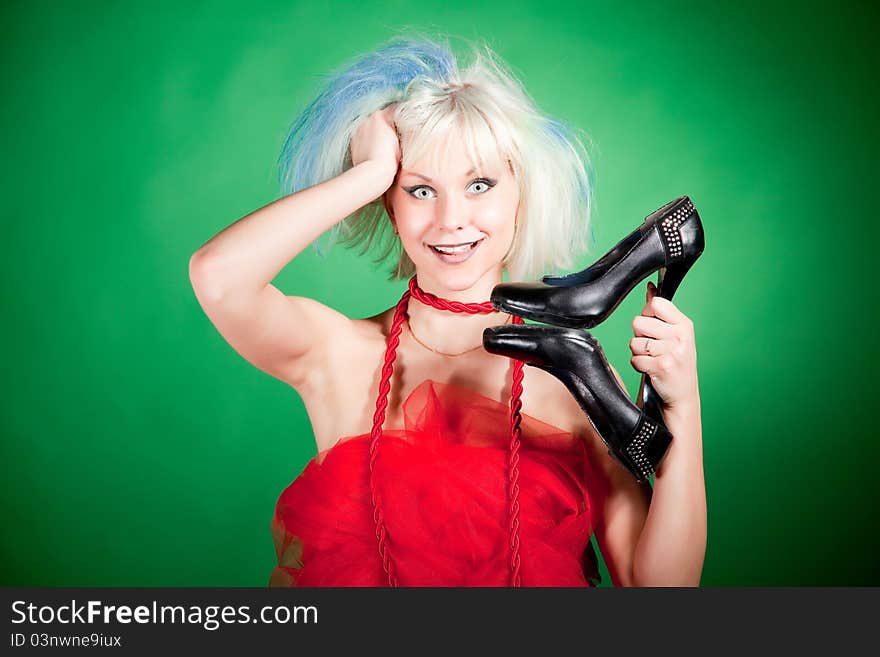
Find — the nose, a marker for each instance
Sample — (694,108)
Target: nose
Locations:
(452,212)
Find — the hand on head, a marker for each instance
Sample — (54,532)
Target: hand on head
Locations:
(376,140)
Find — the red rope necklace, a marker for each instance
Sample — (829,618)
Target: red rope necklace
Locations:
(400,316)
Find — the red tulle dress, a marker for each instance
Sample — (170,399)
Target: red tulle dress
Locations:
(443,480)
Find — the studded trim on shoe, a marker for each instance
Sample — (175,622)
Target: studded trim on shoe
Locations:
(669,230)
(644,431)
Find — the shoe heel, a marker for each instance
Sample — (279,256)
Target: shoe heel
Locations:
(671,276)
(647,447)
(649,401)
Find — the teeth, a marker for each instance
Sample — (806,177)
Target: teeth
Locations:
(454,249)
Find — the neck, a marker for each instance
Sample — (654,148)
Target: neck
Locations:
(476,292)
(450,332)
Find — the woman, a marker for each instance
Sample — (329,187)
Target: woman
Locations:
(440,463)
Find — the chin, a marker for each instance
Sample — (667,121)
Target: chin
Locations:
(457,279)
(458,282)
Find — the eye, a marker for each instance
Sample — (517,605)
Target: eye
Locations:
(486,183)
(416,191)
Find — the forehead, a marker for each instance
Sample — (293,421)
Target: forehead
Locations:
(450,156)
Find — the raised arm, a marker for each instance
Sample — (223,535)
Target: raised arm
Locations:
(231,274)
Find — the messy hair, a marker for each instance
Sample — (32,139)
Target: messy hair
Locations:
(484,105)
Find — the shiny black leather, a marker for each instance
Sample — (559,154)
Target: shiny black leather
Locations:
(575,358)
(669,241)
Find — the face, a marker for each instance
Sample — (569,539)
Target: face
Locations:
(454,224)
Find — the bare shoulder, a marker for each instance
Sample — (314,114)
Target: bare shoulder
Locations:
(340,345)
(329,329)
(370,334)
(342,380)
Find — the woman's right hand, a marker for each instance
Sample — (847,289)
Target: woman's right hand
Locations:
(376,140)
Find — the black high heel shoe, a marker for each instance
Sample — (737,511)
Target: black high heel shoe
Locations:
(574,357)
(669,241)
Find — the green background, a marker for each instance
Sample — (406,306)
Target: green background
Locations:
(139,449)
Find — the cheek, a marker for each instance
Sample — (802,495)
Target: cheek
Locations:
(407,216)
(412,225)
(500,218)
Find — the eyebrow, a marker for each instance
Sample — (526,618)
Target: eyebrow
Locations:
(419,175)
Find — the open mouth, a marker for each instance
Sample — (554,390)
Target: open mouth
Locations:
(455,252)
(451,249)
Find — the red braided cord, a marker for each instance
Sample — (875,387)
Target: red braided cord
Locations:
(444,304)
(516,389)
(378,419)
(400,315)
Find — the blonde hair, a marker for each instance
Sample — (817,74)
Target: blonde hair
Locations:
(487,107)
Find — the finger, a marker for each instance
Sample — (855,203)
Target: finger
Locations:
(651,292)
(643,364)
(656,366)
(664,309)
(647,347)
(651,327)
